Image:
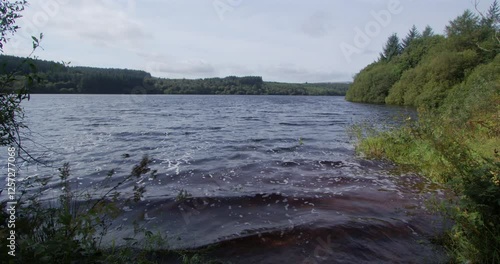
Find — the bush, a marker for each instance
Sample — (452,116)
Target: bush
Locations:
(373,83)
(457,156)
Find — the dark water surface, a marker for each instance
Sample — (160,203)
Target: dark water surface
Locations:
(272,178)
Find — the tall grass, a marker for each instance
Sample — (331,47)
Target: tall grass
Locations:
(466,158)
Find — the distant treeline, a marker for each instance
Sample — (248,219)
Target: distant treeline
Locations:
(59,78)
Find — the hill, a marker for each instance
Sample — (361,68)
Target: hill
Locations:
(60,78)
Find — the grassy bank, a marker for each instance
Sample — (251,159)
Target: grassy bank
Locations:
(454,81)
(466,158)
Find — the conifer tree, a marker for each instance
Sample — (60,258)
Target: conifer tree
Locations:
(392,48)
(428,32)
(412,35)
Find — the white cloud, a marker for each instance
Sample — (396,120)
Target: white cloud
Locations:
(192,68)
(100,22)
(295,73)
(318,24)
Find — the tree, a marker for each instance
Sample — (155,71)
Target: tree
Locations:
(412,35)
(9,11)
(466,24)
(428,32)
(13,89)
(465,32)
(392,48)
(490,29)
(494,12)
(492,17)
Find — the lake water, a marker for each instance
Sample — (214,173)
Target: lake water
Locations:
(271,178)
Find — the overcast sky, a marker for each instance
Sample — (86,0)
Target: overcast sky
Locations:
(281,40)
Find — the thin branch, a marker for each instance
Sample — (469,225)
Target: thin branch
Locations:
(476,6)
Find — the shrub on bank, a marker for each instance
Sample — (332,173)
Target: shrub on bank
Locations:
(466,160)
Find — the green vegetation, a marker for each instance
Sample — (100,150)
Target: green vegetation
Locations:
(422,69)
(466,159)
(14,85)
(61,78)
(454,81)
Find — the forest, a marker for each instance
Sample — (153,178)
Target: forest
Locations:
(58,77)
(429,70)
(454,82)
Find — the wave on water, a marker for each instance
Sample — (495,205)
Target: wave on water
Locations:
(264,185)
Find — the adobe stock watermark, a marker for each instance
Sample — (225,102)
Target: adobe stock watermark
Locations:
(364,36)
(11,201)
(222,7)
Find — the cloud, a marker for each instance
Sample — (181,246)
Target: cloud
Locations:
(294,73)
(318,25)
(101,22)
(190,67)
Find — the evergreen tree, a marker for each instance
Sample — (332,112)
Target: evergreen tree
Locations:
(392,48)
(465,32)
(492,18)
(464,25)
(428,32)
(412,35)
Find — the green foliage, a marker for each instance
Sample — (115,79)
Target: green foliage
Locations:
(479,93)
(275,88)
(372,83)
(464,31)
(456,144)
(417,50)
(11,112)
(455,83)
(466,160)
(9,13)
(14,89)
(60,78)
(412,36)
(228,85)
(392,48)
(430,66)
(428,83)
(428,32)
